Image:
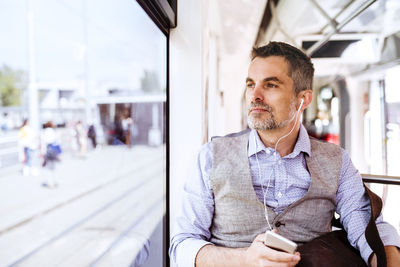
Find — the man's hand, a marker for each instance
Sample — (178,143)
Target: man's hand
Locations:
(392,257)
(257,254)
(260,255)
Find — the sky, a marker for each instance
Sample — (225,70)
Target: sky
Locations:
(122,41)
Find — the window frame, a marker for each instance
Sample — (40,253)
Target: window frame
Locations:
(164,13)
(161,12)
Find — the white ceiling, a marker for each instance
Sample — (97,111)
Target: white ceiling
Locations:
(303,20)
(239,20)
(297,20)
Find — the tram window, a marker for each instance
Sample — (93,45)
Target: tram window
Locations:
(393,119)
(325,122)
(390,197)
(84,181)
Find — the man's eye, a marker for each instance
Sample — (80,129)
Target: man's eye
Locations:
(250,85)
(271,85)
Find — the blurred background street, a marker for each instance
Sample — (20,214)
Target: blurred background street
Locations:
(103,211)
(82,134)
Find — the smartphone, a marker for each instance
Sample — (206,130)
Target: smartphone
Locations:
(278,242)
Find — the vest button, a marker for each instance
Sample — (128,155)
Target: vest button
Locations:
(277,224)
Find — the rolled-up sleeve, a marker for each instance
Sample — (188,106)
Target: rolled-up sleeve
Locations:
(387,233)
(192,225)
(354,208)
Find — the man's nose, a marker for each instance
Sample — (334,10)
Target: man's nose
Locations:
(257,94)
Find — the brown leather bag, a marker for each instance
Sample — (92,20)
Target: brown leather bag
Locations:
(334,250)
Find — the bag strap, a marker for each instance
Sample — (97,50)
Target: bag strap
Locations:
(371,232)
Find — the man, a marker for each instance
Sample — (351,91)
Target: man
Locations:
(272,177)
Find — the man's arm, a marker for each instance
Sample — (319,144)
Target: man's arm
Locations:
(211,255)
(191,229)
(256,255)
(392,257)
(189,243)
(354,208)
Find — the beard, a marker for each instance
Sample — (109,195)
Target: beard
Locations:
(256,121)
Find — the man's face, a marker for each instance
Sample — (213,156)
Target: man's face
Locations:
(270,96)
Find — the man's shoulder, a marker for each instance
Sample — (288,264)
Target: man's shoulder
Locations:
(322,142)
(321,145)
(232,135)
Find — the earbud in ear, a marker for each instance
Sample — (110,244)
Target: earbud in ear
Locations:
(301,104)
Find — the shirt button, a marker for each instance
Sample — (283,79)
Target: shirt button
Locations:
(267,151)
(279,195)
(280,161)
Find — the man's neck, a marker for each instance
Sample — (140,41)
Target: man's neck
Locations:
(287,144)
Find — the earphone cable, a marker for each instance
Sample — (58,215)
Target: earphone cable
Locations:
(273,166)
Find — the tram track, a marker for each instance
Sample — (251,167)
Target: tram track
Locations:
(119,177)
(126,232)
(98,211)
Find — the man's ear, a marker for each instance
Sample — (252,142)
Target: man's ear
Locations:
(307,96)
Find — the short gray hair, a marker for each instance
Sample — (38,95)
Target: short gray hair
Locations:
(301,69)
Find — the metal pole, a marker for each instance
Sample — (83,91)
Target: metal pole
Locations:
(278,24)
(331,21)
(88,104)
(326,38)
(337,15)
(33,101)
(384,120)
(380,179)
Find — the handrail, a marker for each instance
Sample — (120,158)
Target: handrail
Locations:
(380,179)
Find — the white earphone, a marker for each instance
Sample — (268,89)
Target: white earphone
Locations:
(301,104)
(269,176)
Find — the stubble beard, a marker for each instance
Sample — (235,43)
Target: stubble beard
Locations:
(256,121)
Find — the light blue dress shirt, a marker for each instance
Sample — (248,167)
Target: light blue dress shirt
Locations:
(289,180)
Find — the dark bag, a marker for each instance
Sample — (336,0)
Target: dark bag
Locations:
(334,250)
(53,151)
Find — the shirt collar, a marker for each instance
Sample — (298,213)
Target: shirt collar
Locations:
(302,143)
(255,144)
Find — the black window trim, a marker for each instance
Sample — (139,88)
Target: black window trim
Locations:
(161,12)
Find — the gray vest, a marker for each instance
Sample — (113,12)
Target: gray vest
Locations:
(239,214)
